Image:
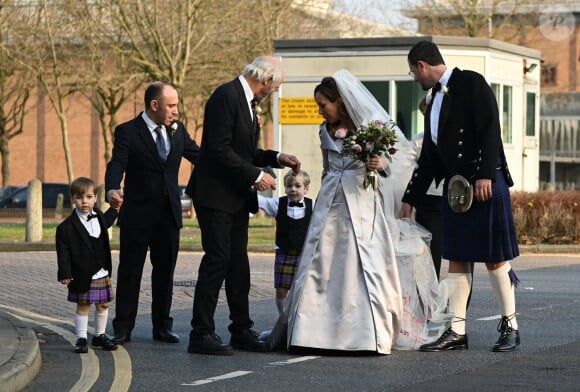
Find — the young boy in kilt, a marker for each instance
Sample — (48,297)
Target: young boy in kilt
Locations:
(84,263)
(292,213)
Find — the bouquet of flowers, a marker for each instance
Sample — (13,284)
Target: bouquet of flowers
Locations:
(375,138)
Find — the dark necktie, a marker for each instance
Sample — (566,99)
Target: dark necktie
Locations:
(296,204)
(91,216)
(161,148)
(436,89)
(253,104)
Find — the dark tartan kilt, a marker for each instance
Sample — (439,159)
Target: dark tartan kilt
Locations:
(100,292)
(285,266)
(485,233)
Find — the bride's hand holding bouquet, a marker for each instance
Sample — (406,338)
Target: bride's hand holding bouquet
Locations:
(368,144)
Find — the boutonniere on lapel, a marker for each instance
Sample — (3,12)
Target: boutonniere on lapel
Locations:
(172,129)
(434,90)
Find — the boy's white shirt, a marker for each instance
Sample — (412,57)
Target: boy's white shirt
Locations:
(270,207)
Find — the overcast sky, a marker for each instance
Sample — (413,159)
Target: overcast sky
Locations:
(384,11)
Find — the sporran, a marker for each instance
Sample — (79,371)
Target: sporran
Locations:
(459,194)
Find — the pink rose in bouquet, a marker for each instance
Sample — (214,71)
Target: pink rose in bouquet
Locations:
(341,133)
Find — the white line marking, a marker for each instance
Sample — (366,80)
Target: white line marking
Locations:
(239,373)
(90,361)
(490,318)
(123,367)
(496,317)
(294,360)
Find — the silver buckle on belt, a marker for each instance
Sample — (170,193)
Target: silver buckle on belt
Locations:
(459,194)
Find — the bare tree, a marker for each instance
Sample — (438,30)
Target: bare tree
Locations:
(14,93)
(15,90)
(49,48)
(110,75)
(163,40)
(500,19)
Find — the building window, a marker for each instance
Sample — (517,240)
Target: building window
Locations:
(503,95)
(549,74)
(405,108)
(506,124)
(530,114)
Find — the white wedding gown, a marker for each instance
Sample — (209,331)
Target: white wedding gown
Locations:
(355,288)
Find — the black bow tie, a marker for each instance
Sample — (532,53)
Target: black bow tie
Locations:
(91,216)
(296,204)
(436,88)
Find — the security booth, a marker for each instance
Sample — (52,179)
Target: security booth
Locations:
(381,64)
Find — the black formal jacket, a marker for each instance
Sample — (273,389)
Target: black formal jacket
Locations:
(148,180)
(75,251)
(229,159)
(469,136)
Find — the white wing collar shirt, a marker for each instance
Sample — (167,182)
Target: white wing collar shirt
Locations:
(437,102)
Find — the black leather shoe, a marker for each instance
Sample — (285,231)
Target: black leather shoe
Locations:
(509,338)
(248,340)
(81,346)
(121,337)
(210,344)
(448,341)
(104,341)
(165,335)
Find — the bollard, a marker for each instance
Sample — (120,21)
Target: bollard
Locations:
(59,206)
(34,211)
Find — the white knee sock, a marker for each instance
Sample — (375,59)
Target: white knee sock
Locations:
(504,292)
(280,304)
(101,318)
(459,288)
(81,326)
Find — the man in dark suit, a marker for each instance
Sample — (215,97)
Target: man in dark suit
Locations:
(223,187)
(463,137)
(147,152)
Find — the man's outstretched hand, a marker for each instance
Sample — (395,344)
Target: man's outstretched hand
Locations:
(290,161)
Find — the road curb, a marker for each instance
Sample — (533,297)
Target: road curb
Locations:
(20,359)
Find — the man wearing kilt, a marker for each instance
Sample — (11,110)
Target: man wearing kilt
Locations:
(292,213)
(84,263)
(463,137)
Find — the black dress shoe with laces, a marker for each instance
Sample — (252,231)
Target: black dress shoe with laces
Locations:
(448,341)
(121,337)
(247,340)
(509,338)
(209,344)
(104,341)
(165,335)
(81,346)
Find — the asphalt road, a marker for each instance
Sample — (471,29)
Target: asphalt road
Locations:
(548,360)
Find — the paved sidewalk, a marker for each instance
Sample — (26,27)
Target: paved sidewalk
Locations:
(28,281)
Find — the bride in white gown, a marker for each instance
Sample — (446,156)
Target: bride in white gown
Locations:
(366,281)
